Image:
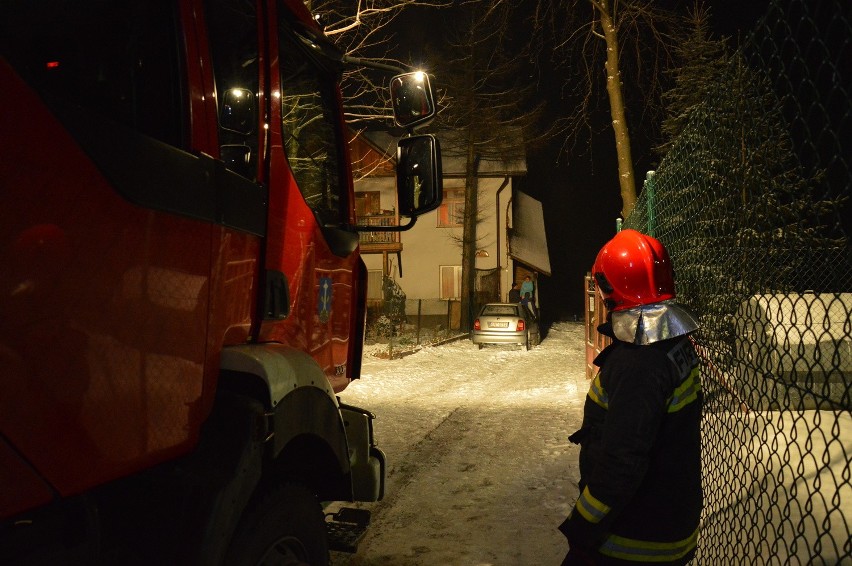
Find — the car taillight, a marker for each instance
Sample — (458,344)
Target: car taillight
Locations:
(476,325)
(521,325)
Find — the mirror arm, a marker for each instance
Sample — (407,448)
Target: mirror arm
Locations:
(402,228)
(371,64)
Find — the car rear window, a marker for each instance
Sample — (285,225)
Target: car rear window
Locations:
(506,310)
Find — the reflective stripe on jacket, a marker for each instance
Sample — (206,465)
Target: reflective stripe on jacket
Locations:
(647,551)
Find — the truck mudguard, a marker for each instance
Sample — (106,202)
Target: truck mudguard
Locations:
(290,376)
(302,402)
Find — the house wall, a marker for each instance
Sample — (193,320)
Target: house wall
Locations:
(426,246)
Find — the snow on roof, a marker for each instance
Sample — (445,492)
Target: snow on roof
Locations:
(527,240)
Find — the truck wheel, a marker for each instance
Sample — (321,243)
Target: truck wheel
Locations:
(286,527)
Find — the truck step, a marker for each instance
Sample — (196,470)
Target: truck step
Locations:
(346,528)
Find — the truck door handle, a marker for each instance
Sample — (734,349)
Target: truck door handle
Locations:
(276,296)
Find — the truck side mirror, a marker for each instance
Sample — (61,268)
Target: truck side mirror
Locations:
(238,112)
(413,99)
(419,183)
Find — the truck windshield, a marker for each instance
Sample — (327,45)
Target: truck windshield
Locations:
(311,129)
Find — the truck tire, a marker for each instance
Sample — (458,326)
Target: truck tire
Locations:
(285,527)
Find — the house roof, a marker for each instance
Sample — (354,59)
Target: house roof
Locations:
(453,161)
(527,239)
(369,160)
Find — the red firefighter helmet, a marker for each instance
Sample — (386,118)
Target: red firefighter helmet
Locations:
(633,269)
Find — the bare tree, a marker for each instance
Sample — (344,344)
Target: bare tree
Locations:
(366,29)
(486,77)
(613,36)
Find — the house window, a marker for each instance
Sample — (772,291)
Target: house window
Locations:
(367,203)
(374,284)
(451,211)
(450,281)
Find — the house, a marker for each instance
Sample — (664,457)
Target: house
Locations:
(510,245)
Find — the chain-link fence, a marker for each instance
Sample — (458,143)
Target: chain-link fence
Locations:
(753,202)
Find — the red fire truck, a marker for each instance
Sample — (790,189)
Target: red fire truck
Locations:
(181,292)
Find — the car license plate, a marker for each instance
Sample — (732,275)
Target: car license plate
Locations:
(498,324)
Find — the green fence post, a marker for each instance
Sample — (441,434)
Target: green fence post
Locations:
(650,198)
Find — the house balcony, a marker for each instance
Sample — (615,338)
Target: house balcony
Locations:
(379,242)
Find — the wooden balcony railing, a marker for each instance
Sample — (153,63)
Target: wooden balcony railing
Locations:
(376,242)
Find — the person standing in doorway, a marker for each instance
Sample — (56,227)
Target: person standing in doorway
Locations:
(640,442)
(527,290)
(528,295)
(515,293)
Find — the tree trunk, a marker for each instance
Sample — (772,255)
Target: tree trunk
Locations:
(614,89)
(471,212)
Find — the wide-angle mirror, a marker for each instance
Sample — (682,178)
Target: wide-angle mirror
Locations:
(238,113)
(413,100)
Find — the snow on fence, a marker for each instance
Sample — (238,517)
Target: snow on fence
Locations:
(800,342)
(784,496)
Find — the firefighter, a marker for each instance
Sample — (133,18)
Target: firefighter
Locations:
(640,463)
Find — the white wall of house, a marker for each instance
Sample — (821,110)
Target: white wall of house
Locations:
(427,246)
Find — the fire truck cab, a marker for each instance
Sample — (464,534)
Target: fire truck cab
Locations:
(181,292)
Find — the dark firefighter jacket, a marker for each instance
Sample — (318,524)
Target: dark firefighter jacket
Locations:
(640,465)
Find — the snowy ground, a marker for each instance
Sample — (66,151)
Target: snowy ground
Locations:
(480,469)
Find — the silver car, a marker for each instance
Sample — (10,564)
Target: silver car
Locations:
(505,323)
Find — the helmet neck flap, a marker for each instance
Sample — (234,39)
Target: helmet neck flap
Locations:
(647,324)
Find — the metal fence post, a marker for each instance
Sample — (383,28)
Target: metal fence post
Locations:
(648,188)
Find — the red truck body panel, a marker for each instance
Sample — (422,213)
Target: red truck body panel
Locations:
(105,312)
(113,315)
